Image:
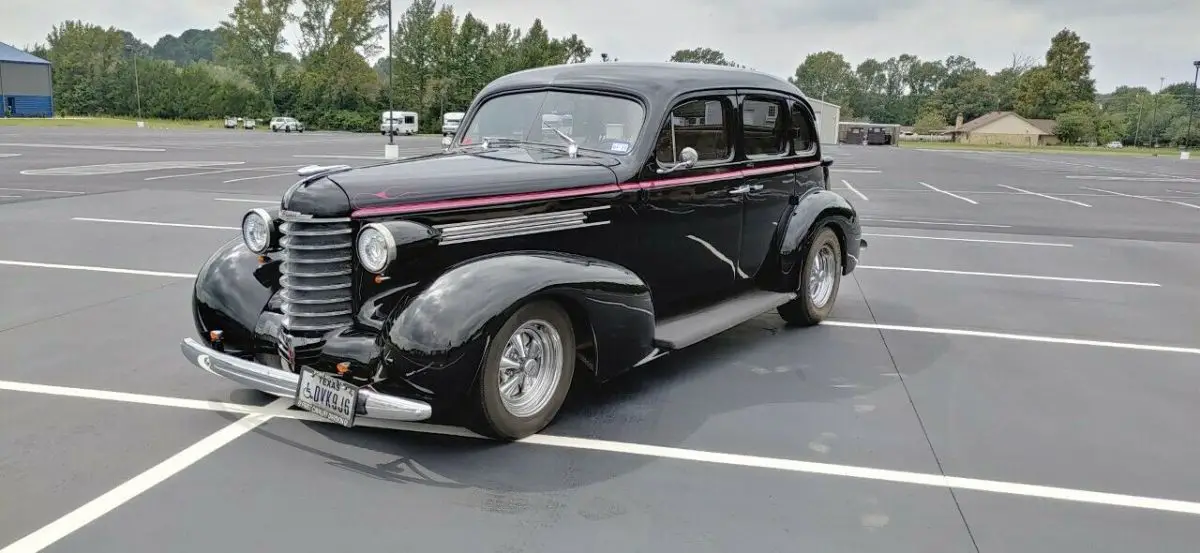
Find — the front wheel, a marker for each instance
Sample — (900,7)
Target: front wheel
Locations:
(820,279)
(527,372)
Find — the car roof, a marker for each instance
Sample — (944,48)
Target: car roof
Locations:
(655,81)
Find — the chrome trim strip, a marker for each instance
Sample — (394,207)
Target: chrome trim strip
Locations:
(281,383)
(491,229)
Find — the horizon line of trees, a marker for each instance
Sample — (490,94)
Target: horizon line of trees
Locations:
(441,60)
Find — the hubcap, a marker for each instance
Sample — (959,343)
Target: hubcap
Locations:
(821,276)
(530,368)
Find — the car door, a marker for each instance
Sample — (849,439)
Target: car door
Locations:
(692,216)
(777,147)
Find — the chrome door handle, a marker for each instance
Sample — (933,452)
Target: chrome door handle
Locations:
(741,189)
(756,187)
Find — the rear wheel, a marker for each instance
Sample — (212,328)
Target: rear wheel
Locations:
(820,279)
(527,372)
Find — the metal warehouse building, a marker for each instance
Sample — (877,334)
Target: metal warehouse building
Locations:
(25,85)
(828,116)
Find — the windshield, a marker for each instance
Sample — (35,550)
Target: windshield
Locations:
(593,121)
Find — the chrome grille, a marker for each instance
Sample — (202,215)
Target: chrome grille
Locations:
(318,258)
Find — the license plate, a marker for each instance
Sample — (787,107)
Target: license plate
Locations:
(327,396)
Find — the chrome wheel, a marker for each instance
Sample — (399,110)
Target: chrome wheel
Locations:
(531,367)
(821,276)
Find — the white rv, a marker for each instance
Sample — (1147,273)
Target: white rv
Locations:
(398,122)
(450,122)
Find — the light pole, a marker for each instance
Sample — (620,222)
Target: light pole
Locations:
(1154,115)
(137,87)
(391,79)
(1192,112)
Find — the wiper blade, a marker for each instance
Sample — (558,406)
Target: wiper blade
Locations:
(572,147)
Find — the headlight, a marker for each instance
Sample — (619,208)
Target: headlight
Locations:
(376,248)
(257,228)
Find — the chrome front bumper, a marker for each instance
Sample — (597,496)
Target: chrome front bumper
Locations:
(278,382)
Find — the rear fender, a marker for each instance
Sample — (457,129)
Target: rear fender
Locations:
(436,341)
(232,289)
(816,207)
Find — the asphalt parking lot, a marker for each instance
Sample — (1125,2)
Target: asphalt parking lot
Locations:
(1014,367)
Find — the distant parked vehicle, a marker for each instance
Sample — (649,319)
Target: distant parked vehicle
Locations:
(1114,144)
(398,122)
(248,123)
(450,122)
(286,124)
(231,122)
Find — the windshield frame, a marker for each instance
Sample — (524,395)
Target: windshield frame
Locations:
(465,124)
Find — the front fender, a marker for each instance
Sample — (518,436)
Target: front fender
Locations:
(231,290)
(816,206)
(436,341)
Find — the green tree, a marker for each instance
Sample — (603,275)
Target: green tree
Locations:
(701,55)
(252,40)
(826,76)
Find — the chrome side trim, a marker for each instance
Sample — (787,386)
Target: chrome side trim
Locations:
(491,229)
(281,383)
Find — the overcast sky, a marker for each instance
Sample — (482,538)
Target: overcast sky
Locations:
(1133,42)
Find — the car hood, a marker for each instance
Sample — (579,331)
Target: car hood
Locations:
(446,176)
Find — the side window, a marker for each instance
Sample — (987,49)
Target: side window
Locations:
(764,127)
(804,136)
(699,124)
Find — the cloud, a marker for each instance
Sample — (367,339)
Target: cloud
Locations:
(1132,43)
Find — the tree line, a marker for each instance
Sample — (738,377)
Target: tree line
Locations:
(441,60)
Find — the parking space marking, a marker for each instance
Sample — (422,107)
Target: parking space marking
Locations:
(219,171)
(1151,198)
(1133,179)
(335,156)
(119,168)
(854,190)
(854,170)
(245,200)
(42,190)
(1009,275)
(95,269)
(272,175)
(152,223)
(85,147)
(7,196)
(1047,196)
(979,240)
(9,155)
(114,498)
(951,194)
(277,409)
(124,397)
(1017,337)
(934,223)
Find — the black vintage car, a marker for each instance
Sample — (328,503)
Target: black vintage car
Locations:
(586,219)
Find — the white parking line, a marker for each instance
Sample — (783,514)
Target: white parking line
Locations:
(1132,179)
(272,175)
(152,223)
(1018,337)
(219,171)
(951,194)
(8,196)
(980,240)
(854,190)
(836,170)
(84,147)
(1049,197)
(245,200)
(332,156)
(96,508)
(934,223)
(139,484)
(1153,199)
(42,190)
(94,269)
(1008,275)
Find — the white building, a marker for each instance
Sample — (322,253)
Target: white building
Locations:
(828,116)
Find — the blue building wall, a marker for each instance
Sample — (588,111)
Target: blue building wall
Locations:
(27,106)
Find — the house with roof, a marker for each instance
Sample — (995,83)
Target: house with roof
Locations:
(26,89)
(1004,128)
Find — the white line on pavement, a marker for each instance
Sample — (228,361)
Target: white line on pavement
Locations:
(152,223)
(42,190)
(114,498)
(64,526)
(245,200)
(1017,337)
(1185,204)
(935,223)
(951,194)
(268,176)
(980,240)
(1132,179)
(1007,275)
(854,190)
(84,147)
(1049,197)
(94,269)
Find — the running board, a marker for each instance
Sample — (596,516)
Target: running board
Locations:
(684,330)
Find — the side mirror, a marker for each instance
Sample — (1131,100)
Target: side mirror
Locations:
(826,161)
(689,157)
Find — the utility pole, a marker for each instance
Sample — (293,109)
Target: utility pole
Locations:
(137,87)
(391,80)
(1192,111)
(1154,115)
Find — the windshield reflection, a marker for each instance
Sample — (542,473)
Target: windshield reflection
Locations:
(592,121)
